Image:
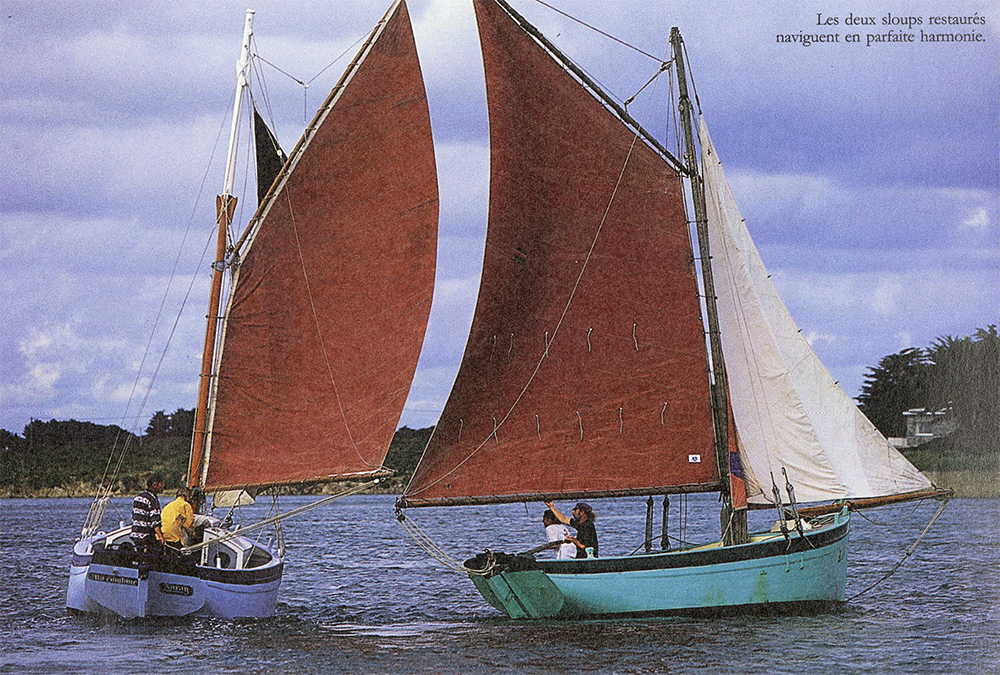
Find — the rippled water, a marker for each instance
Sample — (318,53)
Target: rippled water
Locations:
(359,597)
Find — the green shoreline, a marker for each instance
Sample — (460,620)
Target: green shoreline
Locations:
(967,484)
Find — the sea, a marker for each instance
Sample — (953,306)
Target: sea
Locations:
(360,596)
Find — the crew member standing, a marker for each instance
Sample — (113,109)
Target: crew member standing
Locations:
(146,533)
(178,520)
(583,522)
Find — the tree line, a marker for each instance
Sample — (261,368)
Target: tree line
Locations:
(73,457)
(68,457)
(960,375)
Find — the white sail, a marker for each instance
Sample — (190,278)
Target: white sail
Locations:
(789,411)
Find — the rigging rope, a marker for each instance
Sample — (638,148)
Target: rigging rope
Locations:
(282,516)
(906,555)
(916,505)
(319,331)
(110,475)
(597,30)
(433,550)
(305,85)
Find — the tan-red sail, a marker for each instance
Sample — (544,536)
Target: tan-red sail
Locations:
(333,290)
(569,388)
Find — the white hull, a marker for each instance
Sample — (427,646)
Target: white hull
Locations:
(234,579)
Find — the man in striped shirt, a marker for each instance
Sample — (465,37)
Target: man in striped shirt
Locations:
(146,534)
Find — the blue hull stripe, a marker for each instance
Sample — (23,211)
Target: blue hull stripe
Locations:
(182,567)
(715,556)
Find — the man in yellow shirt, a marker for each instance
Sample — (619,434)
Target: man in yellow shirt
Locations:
(178,519)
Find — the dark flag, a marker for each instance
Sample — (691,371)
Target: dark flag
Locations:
(270,157)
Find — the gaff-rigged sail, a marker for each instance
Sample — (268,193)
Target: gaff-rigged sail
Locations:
(585,372)
(789,411)
(333,289)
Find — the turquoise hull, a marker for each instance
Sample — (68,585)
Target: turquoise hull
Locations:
(770,572)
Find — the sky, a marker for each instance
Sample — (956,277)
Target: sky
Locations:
(867,171)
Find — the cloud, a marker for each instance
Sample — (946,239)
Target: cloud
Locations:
(868,177)
(978,220)
(41,379)
(814,338)
(781,208)
(55,358)
(853,319)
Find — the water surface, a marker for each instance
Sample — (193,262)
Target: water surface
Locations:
(359,597)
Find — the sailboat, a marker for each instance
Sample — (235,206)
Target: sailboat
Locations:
(587,372)
(305,373)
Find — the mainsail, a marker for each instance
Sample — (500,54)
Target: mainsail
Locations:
(789,411)
(333,288)
(585,372)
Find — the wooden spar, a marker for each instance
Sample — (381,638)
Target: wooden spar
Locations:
(407,503)
(874,502)
(734,526)
(260,487)
(225,207)
(592,86)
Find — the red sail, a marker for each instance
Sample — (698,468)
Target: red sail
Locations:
(612,396)
(334,290)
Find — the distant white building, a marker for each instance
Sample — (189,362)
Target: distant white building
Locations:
(923,425)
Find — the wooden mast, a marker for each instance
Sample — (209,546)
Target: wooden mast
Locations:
(734,525)
(225,207)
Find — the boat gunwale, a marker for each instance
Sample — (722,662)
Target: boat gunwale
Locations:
(772,547)
(270,571)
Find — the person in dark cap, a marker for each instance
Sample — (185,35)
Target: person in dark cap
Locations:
(583,522)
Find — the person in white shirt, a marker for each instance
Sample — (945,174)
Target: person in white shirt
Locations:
(557,532)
